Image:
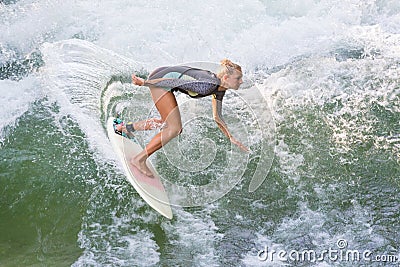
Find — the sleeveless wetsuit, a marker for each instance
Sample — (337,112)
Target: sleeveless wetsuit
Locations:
(191,81)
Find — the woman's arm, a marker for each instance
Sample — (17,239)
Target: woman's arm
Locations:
(141,82)
(217,114)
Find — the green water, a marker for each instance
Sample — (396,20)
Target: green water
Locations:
(60,202)
(43,190)
(334,176)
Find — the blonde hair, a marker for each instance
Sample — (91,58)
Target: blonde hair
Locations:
(228,67)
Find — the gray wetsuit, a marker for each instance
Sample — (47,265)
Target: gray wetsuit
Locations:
(191,81)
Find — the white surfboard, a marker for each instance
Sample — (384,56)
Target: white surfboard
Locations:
(150,189)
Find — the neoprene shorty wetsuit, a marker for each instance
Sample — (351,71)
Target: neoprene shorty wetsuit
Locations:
(191,81)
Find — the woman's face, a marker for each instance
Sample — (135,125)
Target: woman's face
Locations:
(234,80)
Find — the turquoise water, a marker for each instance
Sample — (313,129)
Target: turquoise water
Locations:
(320,110)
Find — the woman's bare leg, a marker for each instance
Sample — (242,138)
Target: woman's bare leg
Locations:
(168,108)
(149,124)
(145,125)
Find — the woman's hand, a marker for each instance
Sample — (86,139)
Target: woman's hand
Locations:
(137,81)
(239,144)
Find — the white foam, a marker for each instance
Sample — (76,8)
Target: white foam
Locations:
(309,230)
(74,75)
(195,236)
(355,84)
(117,248)
(150,31)
(15,99)
(269,33)
(117,234)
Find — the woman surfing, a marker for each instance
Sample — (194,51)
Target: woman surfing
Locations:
(163,82)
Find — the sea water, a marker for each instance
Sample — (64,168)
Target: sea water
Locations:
(319,110)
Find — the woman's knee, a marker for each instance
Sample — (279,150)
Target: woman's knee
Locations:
(173,131)
(177,131)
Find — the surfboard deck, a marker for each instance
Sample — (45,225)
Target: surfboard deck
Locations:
(150,189)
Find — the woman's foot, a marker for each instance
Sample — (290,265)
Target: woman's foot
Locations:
(137,81)
(141,166)
(122,129)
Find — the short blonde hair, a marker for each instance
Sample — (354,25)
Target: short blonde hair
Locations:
(228,67)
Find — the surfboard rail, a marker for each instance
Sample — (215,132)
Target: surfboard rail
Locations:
(150,189)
